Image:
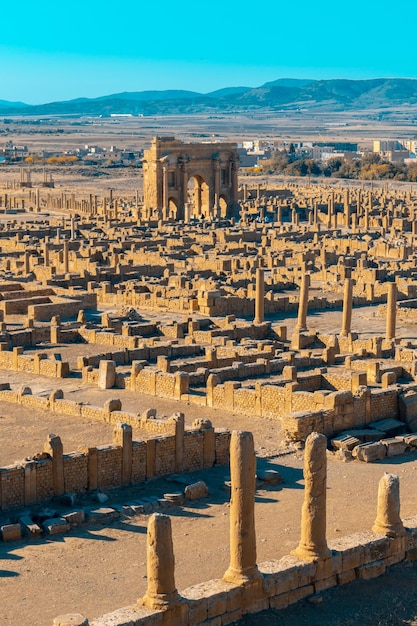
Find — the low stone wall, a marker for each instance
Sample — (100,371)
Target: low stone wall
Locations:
(124,462)
(39,363)
(63,307)
(284,582)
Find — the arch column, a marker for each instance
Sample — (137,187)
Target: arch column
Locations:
(184,185)
(215,208)
(165,189)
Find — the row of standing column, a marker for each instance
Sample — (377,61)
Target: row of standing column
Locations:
(161,590)
(347,305)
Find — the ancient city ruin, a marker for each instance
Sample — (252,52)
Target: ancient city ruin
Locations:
(291,304)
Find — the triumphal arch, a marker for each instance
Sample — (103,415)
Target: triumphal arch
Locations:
(185,181)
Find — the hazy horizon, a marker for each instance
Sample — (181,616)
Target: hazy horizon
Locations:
(89,49)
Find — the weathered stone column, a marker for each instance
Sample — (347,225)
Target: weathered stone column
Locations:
(330,210)
(347,307)
(46,254)
(165,190)
(26,259)
(303,303)
(106,374)
(161,592)
(391,311)
(313,543)
(122,436)
(53,446)
(66,257)
(259,297)
(242,567)
(346,207)
(388,521)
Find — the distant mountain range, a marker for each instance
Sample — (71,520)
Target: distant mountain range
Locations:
(284,93)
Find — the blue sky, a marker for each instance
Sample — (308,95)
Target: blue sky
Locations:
(58,51)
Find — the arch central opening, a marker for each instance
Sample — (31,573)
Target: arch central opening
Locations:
(198,197)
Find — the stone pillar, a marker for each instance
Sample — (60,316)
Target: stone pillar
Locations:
(184,188)
(242,567)
(30,483)
(165,190)
(66,257)
(122,436)
(234,179)
(346,207)
(245,192)
(179,420)
(46,254)
(313,543)
(303,303)
(27,262)
(53,446)
(391,311)
(212,382)
(106,374)
(161,592)
(388,521)
(330,210)
(216,185)
(347,307)
(259,297)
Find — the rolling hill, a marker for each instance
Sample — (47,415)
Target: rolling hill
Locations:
(287,93)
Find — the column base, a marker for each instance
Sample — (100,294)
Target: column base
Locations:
(160,601)
(311,553)
(241,577)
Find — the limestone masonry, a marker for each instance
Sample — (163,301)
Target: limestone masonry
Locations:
(292,303)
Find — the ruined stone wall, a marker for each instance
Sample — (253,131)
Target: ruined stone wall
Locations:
(14,361)
(101,467)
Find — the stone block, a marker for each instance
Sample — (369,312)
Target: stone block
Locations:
(11,532)
(395,446)
(411,440)
(106,374)
(411,555)
(377,549)
(215,591)
(196,491)
(371,570)
(258,606)
(300,593)
(75,518)
(29,528)
(351,551)
(102,515)
(407,405)
(389,426)
(231,618)
(346,577)
(388,379)
(329,567)
(279,602)
(345,442)
(369,452)
(326,583)
(197,604)
(56,526)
